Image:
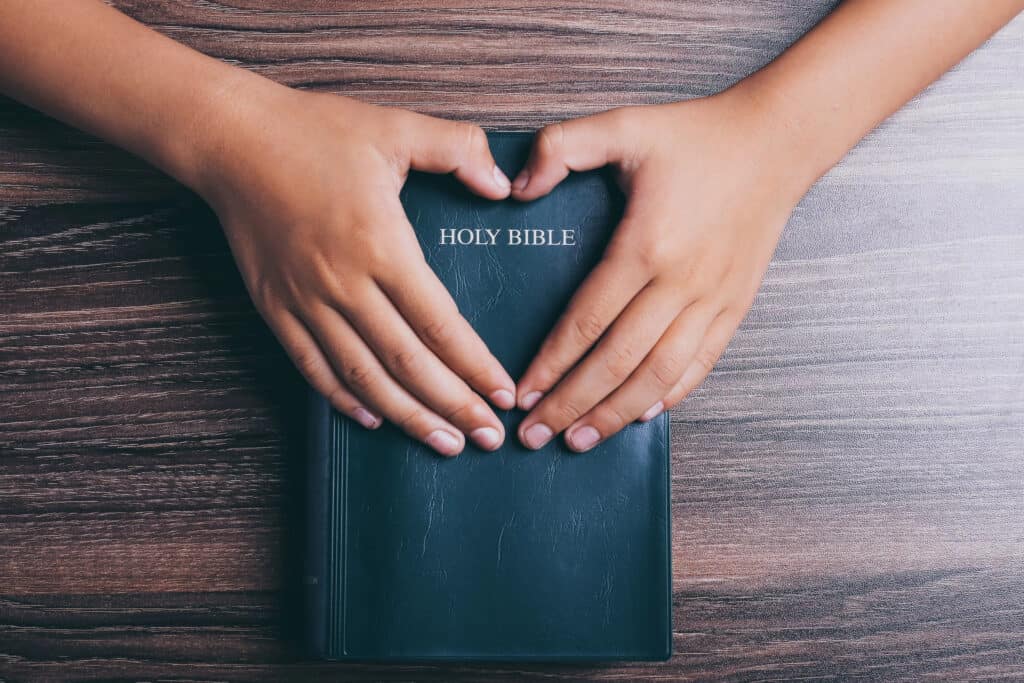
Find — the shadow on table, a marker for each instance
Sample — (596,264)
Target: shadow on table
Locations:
(274,392)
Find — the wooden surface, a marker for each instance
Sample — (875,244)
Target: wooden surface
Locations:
(848,486)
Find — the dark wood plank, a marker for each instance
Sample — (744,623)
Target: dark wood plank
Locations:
(848,485)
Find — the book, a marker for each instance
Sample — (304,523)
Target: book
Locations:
(508,555)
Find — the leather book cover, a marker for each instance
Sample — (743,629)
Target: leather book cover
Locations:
(509,555)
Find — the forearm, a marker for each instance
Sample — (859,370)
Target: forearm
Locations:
(860,65)
(97,69)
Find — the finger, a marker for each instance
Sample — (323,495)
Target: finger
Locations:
(367,378)
(441,146)
(660,371)
(313,365)
(420,371)
(576,145)
(432,313)
(607,290)
(716,340)
(610,364)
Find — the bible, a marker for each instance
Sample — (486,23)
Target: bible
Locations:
(511,555)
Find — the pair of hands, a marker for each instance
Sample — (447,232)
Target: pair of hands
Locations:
(309,201)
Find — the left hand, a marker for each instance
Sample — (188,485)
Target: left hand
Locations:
(709,188)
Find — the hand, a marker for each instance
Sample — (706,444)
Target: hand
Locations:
(708,195)
(307,191)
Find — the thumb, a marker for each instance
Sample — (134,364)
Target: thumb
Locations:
(576,145)
(441,146)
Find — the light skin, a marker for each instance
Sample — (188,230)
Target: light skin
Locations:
(710,185)
(306,188)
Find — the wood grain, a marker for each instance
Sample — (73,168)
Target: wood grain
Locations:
(848,485)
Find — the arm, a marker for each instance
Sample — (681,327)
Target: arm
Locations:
(306,188)
(711,183)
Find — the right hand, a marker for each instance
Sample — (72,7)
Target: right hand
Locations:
(306,188)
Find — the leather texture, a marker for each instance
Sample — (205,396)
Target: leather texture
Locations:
(511,555)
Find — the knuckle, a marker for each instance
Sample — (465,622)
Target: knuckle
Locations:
(264,293)
(541,377)
(611,418)
(706,359)
(638,254)
(732,315)
(587,327)
(468,412)
(340,298)
(359,377)
(628,123)
(477,137)
(412,420)
(394,123)
(648,258)
(308,363)
(437,333)
(474,139)
(708,279)
(380,255)
(619,362)
(377,257)
(406,362)
(325,280)
(550,139)
(666,370)
(621,119)
(480,377)
(566,411)
(401,263)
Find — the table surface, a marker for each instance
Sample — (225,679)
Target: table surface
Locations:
(848,486)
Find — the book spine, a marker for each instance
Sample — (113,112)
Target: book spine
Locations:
(666,652)
(336,550)
(317,572)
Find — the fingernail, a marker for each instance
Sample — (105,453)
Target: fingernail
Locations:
(652,412)
(364,417)
(503,398)
(583,438)
(537,435)
(500,179)
(486,437)
(443,442)
(530,400)
(522,180)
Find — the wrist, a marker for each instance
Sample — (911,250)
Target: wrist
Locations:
(207,137)
(789,139)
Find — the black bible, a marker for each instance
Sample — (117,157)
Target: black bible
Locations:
(510,555)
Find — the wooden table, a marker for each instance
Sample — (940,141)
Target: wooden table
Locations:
(848,485)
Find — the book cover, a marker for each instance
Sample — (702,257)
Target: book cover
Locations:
(506,555)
